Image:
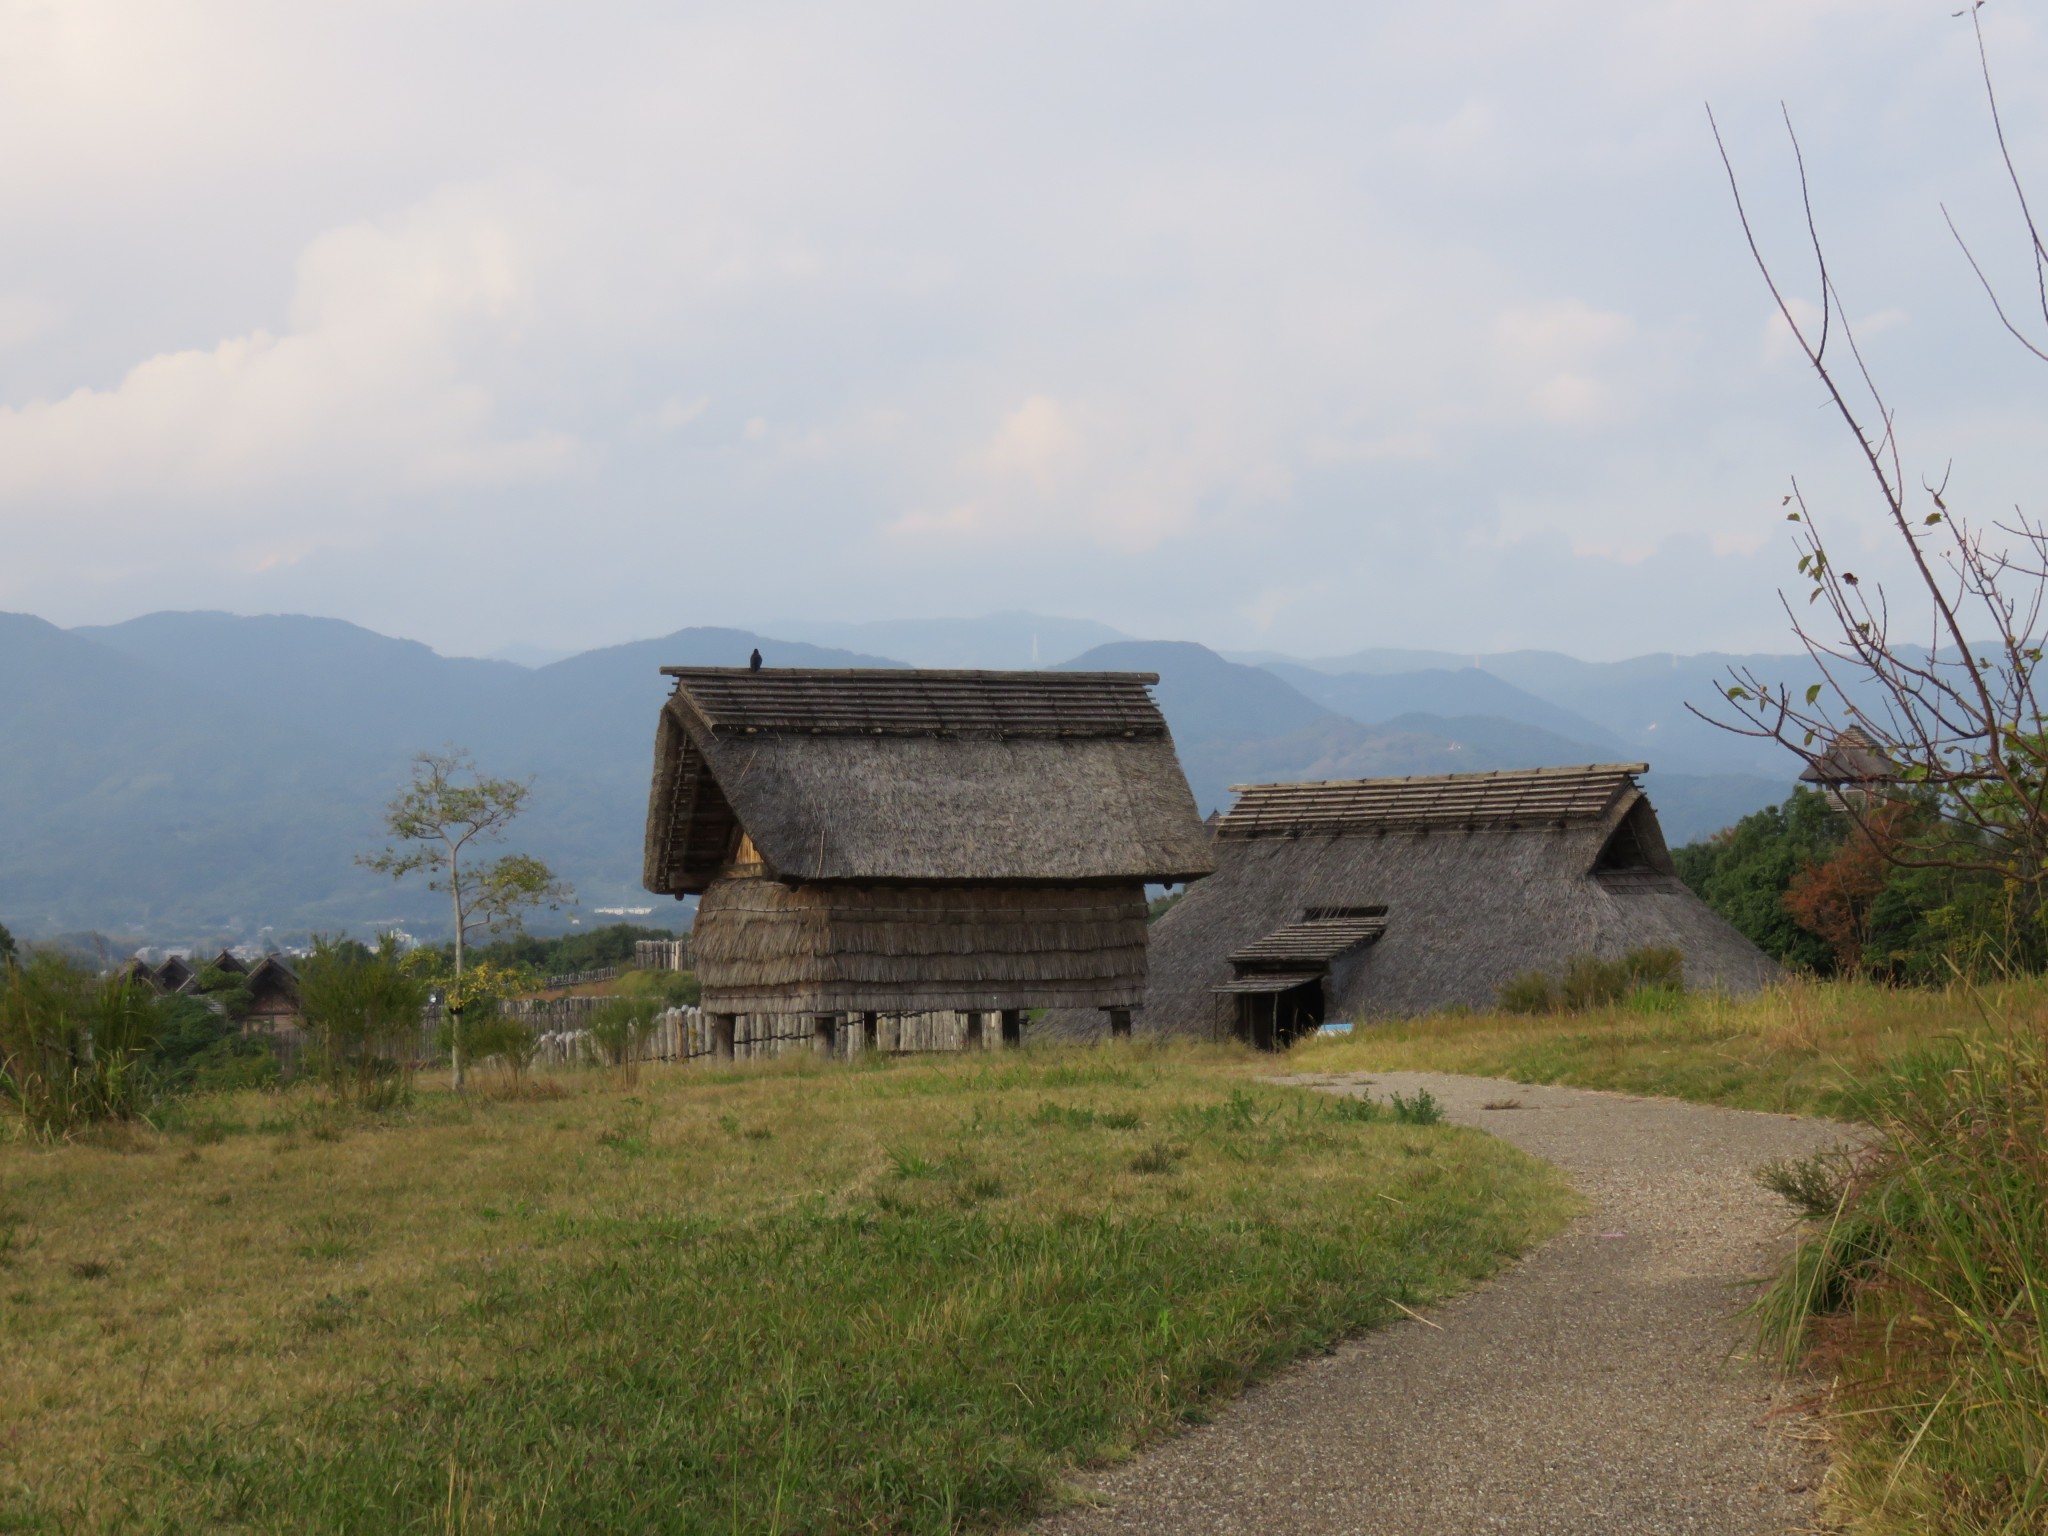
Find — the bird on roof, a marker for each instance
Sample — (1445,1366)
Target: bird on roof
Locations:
(754,661)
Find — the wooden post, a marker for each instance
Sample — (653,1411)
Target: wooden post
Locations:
(974,1034)
(1119,1023)
(870,1032)
(721,1036)
(1013,1027)
(825,1031)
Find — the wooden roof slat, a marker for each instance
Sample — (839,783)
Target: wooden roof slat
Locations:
(1313,941)
(1513,798)
(898,702)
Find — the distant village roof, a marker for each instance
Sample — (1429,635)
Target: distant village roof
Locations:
(1852,758)
(903,775)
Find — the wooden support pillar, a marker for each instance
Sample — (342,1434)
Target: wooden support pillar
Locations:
(825,1031)
(1119,1023)
(722,1036)
(1013,1027)
(974,1031)
(870,1032)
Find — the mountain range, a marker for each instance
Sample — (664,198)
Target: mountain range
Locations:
(201,776)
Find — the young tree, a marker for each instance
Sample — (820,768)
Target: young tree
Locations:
(7,951)
(440,824)
(1944,682)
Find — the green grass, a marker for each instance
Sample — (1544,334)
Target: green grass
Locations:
(903,1297)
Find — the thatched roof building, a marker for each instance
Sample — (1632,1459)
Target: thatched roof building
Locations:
(1853,764)
(1387,897)
(901,841)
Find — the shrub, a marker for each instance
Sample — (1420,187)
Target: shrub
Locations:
(1531,992)
(200,1048)
(363,1009)
(72,1043)
(491,1034)
(617,1028)
(1590,982)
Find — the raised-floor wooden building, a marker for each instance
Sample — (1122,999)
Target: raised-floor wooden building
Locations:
(894,842)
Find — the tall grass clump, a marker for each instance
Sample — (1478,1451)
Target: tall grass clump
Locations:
(363,1010)
(1920,1286)
(1654,973)
(72,1044)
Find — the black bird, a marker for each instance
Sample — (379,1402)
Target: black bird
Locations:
(754,661)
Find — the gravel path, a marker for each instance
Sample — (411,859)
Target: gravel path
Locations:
(1588,1390)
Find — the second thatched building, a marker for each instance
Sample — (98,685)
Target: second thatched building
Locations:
(1387,897)
(892,842)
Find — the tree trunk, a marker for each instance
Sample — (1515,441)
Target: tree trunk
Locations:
(454,1009)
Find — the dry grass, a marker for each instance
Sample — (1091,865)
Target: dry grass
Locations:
(792,1296)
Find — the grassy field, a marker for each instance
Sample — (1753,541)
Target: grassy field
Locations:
(1807,1047)
(906,1296)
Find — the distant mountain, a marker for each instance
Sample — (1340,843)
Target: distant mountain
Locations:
(999,642)
(1236,724)
(193,776)
(202,774)
(1372,697)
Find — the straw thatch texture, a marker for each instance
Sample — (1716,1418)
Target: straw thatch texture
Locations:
(1852,758)
(1472,902)
(912,776)
(764,947)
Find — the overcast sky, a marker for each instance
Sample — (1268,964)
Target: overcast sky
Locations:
(1279,325)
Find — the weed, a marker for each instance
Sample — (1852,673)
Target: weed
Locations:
(1160,1157)
(89,1269)
(909,1165)
(334,1311)
(1423,1109)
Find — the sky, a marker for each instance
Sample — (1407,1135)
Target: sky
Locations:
(1275,325)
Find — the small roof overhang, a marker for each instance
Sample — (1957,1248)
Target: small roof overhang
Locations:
(1320,936)
(1268,981)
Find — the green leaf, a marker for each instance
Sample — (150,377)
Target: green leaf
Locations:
(1813,693)
(1738,693)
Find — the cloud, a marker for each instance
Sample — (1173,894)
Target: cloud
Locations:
(1035,303)
(375,384)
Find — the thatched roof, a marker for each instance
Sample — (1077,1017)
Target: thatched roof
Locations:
(1852,758)
(227,963)
(907,775)
(273,986)
(1482,877)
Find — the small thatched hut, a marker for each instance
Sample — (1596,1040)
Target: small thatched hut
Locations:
(1388,897)
(869,843)
(1854,769)
(273,996)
